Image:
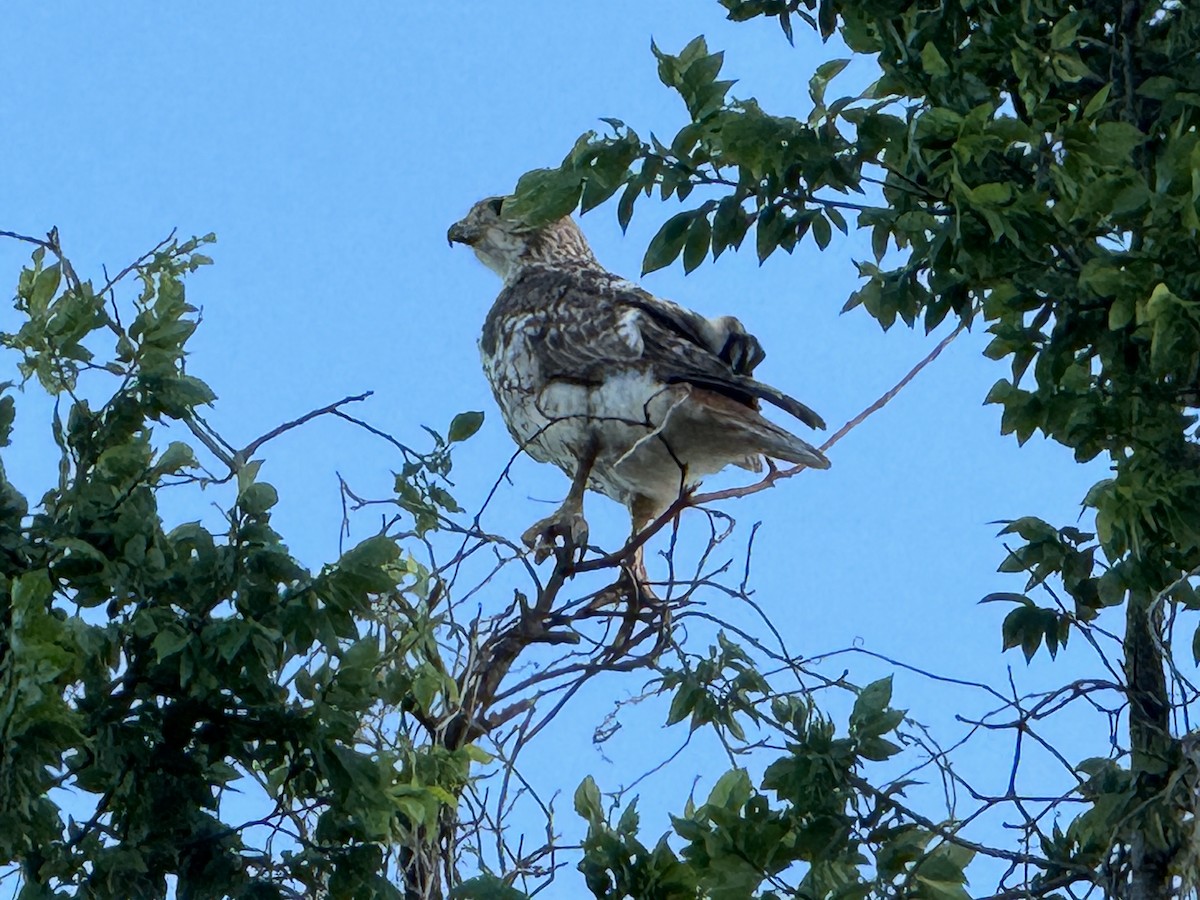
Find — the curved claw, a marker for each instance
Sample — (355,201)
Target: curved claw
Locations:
(569,525)
(743,352)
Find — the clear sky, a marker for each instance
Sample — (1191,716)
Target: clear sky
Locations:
(329,146)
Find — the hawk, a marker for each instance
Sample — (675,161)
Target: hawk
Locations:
(630,395)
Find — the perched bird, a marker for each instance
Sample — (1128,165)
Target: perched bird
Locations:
(630,395)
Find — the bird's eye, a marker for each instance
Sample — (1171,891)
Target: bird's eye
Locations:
(496,204)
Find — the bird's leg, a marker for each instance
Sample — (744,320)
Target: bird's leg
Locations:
(567,522)
(640,592)
(633,585)
(642,604)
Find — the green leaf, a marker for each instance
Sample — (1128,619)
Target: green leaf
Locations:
(992,194)
(938,125)
(545,195)
(176,457)
(872,700)
(668,243)
(258,498)
(625,205)
(822,233)
(696,247)
(933,61)
(825,73)
(443,498)
(30,592)
(827,19)
(933,889)
(477,754)
(8,413)
(371,555)
(730,224)
(732,791)
(1028,626)
(587,801)
(1099,99)
(684,701)
(877,749)
(1118,139)
(769,230)
(1103,277)
(486,887)
(170,641)
(182,393)
(247,474)
(464,425)
(45,286)
(1005,597)
(628,823)
(942,873)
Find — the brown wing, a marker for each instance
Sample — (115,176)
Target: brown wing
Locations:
(591,323)
(724,337)
(682,345)
(579,333)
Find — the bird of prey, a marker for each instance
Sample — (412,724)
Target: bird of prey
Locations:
(629,394)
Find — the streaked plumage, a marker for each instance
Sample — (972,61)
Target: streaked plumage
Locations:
(633,396)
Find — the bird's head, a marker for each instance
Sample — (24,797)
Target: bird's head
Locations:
(505,244)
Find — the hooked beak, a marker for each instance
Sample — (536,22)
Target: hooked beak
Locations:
(460,233)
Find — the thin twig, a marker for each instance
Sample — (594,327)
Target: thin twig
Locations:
(242,456)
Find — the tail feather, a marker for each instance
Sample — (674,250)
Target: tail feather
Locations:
(779,443)
(709,430)
(789,405)
(746,389)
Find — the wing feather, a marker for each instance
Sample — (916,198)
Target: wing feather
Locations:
(588,323)
(683,345)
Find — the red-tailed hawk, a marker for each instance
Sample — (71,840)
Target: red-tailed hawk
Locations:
(630,395)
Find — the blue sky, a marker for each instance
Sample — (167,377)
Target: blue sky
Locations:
(330,149)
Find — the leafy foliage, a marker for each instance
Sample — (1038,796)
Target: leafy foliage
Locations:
(156,669)
(1031,164)
(848,839)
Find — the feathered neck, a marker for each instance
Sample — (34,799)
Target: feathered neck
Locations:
(559,245)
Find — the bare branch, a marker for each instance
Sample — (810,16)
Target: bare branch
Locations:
(243,455)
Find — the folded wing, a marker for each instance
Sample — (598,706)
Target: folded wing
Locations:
(603,323)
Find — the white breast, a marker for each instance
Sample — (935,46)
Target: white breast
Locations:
(631,417)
